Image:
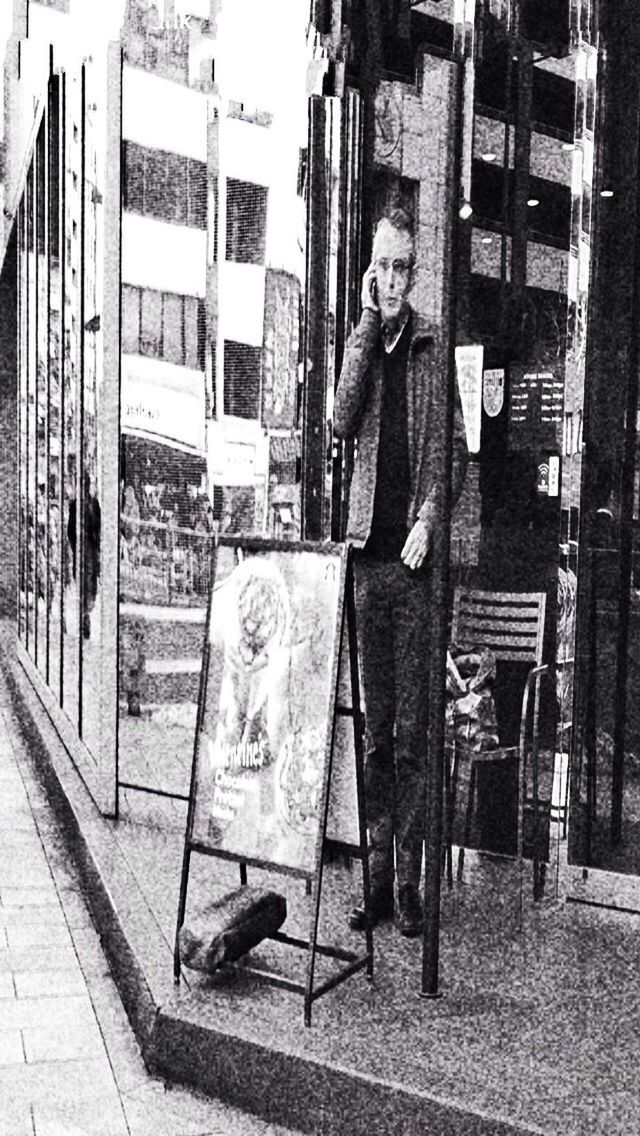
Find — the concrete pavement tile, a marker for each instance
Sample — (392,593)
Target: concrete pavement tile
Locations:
(75,909)
(15,876)
(38,958)
(30,897)
(15,1121)
(58,1083)
(17,820)
(32,934)
(126,1059)
(124,1052)
(49,916)
(13,796)
(49,983)
(10,778)
(158,1108)
(24,845)
(72,1012)
(63,873)
(90,953)
(21,862)
(7,988)
(78,1120)
(49,1043)
(11,1049)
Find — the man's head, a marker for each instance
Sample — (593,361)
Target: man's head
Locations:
(393,258)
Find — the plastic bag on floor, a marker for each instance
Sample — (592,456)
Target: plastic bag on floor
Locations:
(470,712)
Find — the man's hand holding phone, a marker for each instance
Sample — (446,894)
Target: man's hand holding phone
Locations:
(370,289)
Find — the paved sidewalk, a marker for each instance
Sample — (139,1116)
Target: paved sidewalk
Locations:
(69,1062)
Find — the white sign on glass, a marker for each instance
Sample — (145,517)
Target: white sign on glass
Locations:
(469,371)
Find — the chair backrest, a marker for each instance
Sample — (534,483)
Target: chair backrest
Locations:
(511,624)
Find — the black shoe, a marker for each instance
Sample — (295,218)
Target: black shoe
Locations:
(411,917)
(380,908)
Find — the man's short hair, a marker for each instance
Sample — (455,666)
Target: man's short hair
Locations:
(399,219)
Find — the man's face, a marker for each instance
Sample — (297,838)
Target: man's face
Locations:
(393,259)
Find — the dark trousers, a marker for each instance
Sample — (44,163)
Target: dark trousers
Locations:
(393,638)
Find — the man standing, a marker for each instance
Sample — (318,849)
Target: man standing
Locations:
(392,397)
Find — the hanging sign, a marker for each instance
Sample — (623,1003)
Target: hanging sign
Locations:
(164,403)
(493,392)
(469,371)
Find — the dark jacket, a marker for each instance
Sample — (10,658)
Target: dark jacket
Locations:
(356,413)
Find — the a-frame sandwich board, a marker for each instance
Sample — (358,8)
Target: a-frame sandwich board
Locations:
(280,624)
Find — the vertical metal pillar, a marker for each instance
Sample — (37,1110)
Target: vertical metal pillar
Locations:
(349,276)
(626,531)
(521,159)
(314,400)
(439,608)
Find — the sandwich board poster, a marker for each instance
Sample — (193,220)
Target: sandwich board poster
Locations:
(267,702)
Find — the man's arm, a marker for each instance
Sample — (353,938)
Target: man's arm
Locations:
(418,541)
(353,384)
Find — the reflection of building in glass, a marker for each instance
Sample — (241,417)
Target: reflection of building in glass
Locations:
(159,246)
(222,157)
(210,284)
(226,168)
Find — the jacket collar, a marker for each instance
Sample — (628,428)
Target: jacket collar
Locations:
(421,330)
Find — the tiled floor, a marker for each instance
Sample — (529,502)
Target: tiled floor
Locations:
(69,1063)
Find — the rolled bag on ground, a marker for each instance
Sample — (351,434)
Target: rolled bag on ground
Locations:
(228,927)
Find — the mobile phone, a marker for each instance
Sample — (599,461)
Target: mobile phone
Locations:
(373,287)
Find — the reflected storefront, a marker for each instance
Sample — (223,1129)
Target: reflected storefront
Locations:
(63,624)
(187,279)
(214,244)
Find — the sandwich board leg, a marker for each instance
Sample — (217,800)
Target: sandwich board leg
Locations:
(182,904)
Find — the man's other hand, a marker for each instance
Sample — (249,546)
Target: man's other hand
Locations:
(416,545)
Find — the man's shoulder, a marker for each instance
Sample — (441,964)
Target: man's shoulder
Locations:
(423,331)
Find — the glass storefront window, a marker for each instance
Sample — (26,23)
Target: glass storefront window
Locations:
(71,472)
(89,520)
(211,358)
(55,406)
(63,412)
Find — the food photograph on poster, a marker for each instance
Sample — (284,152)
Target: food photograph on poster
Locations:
(267,704)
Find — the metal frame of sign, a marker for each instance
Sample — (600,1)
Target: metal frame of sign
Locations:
(345,621)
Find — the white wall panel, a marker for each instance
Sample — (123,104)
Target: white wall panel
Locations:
(163,115)
(247,151)
(170,258)
(242,302)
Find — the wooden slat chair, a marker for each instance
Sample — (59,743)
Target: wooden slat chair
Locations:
(511,625)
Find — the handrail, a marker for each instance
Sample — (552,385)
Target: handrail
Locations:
(165,563)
